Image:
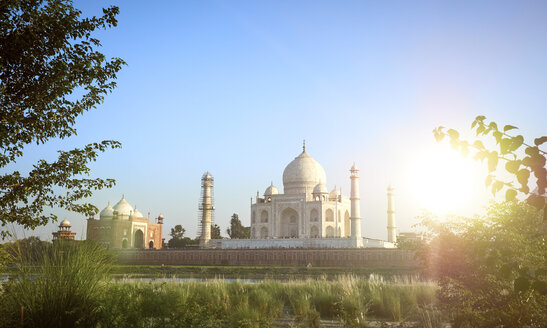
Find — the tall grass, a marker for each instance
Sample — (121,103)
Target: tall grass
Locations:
(60,286)
(68,286)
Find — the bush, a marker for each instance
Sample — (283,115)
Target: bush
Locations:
(64,289)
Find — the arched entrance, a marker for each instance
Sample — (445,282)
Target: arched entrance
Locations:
(151,244)
(124,243)
(289,223)
(264,233)
(329,233)
(314,232)
(139,239)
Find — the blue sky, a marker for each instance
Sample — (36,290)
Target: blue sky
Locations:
(233,87)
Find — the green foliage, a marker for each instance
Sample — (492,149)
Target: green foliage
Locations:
(491,269)
(50,74)
(215,232)
(509,149)
(63,290)
(237,230)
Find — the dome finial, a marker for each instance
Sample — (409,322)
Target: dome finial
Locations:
(304,146)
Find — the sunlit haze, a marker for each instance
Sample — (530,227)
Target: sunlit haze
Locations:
(233,87)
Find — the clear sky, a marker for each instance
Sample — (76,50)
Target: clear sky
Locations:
(233,87)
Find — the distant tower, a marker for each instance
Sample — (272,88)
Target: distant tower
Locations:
(391,228)
(206,208)
(355,215)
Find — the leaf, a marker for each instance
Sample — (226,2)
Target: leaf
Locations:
(516,142)
(504,145)
(540,141)
(488,180)
(480,129)
(496,186)
(478,144)
(531,151)
(492,161)
(524,189)
(480,118)
(522,176)
(481,155)
(512,166)
(498,136)
(509,127)
(493,126)
(510,195)
(438,135)
(453,134)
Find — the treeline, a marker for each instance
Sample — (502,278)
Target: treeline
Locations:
(236,231)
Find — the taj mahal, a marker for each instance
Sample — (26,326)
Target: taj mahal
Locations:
(306,215)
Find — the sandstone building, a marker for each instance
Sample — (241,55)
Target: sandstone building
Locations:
(122,226)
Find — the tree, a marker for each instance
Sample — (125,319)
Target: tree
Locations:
(237,230)
(520,166)
(177,237)
(50,74)
(215,232)
(491,269)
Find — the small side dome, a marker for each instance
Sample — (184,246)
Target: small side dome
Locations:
(137,214)
(107,212)
(271,190)
(320,188)
(334,193)
(65,223)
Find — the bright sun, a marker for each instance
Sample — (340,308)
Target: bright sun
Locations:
(444,182)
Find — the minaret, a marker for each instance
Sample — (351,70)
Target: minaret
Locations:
(391,228)
(206,208)
(355,215)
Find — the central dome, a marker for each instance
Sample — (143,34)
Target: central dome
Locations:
(302,175)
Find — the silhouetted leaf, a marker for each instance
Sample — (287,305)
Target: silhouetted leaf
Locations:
(540,141)
(522,176)
(509,127)
(453,134)
(524,189)
(531,151)
(488,180)
(493,126)
(512,166)
(498,136)
(516,142)
(496,186)
(505,143)
(510,195)
(478,144)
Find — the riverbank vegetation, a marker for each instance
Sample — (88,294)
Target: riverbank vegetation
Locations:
(70,284)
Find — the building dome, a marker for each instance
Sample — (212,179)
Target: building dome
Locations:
(320,189)
(303,174)
(123,208)
(65,223)
(107,212)
(334,193)
(271,190)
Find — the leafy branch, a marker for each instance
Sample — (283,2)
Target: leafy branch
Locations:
(508,149)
